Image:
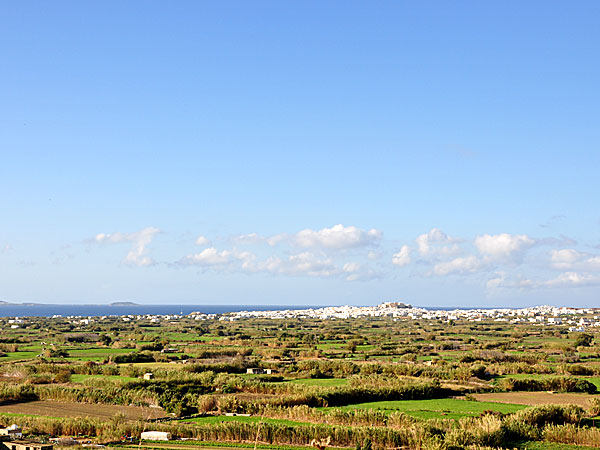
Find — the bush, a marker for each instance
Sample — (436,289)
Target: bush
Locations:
(594,406)
(561,384)
(570,434)
(207,403)
(134,357)
(229,404)
(584,340)
(479,371)
(578,369)
(550,414)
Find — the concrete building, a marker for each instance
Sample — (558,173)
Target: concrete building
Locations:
(154,436)
(13,432)
(25,445)
(11,439)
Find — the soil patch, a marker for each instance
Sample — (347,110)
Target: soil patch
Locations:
(536,398)
(63,409)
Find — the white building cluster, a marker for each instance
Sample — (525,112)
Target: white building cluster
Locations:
(577,318)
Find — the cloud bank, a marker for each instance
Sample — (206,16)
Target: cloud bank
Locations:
(497,261)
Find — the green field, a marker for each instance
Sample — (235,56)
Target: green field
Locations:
(320,381)
(242,419)
(78,378)
(447,408)
(544,445)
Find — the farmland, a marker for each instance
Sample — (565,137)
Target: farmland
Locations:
(62,409)
(376,381)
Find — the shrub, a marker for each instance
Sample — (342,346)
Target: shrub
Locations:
(578,369)
(594,406)
(570,434)
(207,403)
(561,384)
(584,340)
(134,357)
(550,414)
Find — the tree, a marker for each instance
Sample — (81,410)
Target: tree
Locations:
(584,340)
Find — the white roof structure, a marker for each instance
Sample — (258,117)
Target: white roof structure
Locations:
(155,436)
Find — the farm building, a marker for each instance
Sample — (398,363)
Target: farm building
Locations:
(259,371)
(25,445)
(155,436)
(10,439)
(148,376)
(13,432)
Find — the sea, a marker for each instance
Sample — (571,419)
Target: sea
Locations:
(49,310)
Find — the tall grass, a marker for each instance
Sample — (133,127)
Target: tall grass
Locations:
(570,434)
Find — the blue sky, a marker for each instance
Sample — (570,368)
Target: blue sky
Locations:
(438,153)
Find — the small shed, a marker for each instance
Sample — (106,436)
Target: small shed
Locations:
(259,371)
(148,376)
(155,436)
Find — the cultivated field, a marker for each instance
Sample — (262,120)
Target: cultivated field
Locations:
(63,409)
(537,398)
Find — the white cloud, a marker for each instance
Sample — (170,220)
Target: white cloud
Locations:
(255,238)
(594,261)
(322,253)
(138,255)
(565,258)
(572,279)
(436,242)
(351,267)
(309,264)
(249,238)
(503,281)
(503,246)
(300,264)
(461,266)
(355,271)
(209,257)
(337,237)
(305,263)
(402,258)
(373,255)
(569,259)
(203,241)
(279,254)
(564,280)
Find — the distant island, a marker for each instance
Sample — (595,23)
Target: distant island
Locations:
(124,304)
(2,302)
